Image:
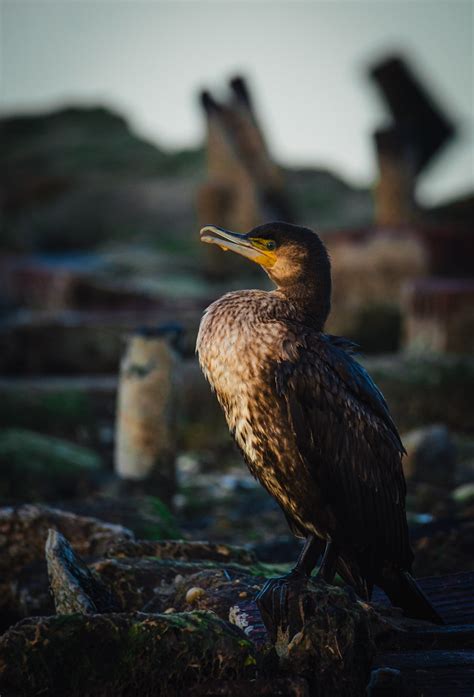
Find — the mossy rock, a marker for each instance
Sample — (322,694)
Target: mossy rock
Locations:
(38,467)
(334,649)
(137,581)
(121,654)
(216,590)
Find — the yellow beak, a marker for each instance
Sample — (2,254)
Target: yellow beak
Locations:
(236,242)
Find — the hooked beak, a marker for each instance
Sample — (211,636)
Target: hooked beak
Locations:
(235,242)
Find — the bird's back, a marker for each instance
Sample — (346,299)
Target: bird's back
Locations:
(344,429)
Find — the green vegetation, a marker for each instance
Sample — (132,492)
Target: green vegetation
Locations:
(162,524)
(38,467)
(54,412)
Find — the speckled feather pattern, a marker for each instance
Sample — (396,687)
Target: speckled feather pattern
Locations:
(313,427)
(237,345)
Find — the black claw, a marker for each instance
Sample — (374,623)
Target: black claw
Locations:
(278,602)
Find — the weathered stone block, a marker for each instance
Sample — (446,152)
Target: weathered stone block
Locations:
(24,588)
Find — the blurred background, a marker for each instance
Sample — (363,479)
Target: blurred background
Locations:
(126,126)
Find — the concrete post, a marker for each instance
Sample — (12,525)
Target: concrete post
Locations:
(145,445)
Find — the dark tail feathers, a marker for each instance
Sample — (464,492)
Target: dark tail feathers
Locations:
(404,592)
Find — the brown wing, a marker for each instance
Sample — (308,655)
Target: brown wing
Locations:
(345,433)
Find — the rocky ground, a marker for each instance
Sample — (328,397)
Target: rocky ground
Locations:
(106,614)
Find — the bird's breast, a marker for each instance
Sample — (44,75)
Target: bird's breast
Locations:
(234,344)
(236,352)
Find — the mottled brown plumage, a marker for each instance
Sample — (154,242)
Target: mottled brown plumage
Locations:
(313,427)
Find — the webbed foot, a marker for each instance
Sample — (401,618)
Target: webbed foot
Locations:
(279,604)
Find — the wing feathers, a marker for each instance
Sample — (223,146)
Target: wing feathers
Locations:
(345,433)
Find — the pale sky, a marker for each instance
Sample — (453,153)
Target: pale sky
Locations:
(305,62)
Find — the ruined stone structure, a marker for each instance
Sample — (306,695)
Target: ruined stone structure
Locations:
(370,268)
(421,272)
(417,133)
(244,187)
(412,261)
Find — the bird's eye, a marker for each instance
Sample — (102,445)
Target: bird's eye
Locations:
(270,244)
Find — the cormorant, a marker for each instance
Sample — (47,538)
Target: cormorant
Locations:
(313,427)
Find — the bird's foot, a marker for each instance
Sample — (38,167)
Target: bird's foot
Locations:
(279,604)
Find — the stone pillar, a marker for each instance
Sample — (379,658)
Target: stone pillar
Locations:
(395,189)
(145,445)
(244,187)
(419,130)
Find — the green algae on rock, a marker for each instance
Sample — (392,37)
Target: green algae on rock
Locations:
(121,654)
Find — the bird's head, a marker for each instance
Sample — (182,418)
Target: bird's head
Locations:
(291,255)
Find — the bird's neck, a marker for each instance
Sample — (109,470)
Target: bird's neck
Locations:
(311,299)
